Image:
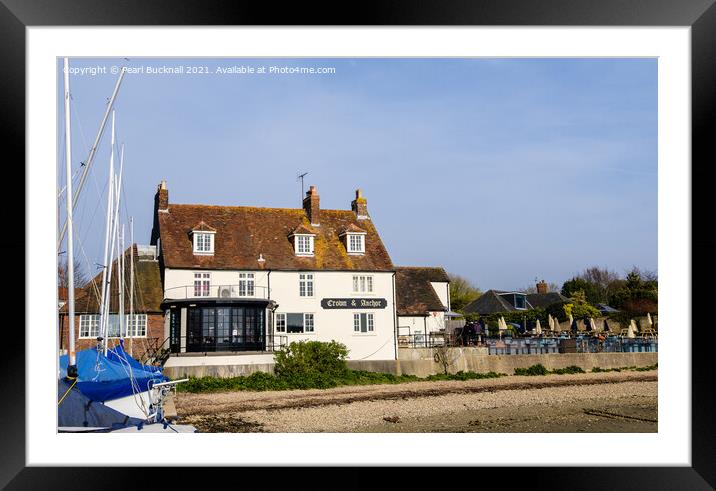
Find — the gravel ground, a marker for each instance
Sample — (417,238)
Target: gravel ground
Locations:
(603,402)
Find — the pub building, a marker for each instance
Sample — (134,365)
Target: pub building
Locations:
(249,280)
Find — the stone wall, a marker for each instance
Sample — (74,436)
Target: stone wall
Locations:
(414,361)
(419,361)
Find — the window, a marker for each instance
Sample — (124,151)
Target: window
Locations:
(202,282)
(297,323)
(203,243)
(363,323)
(246,284)
(356,243)
(304,245)
(137,325)
(280,322)
(89,326)
(362,284)
(305,284)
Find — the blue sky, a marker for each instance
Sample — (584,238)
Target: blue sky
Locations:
(500,170)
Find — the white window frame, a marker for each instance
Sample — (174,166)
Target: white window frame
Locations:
(306,317)
(204,243)
(306,285)
(369,324)
(281,323)
(280,320)
(300,244)
(89,326)
(247,285)
(355,243)
(363,284)
(203,281)
(136,325)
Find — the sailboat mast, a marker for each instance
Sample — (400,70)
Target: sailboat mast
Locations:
(108,225)
(115,222)
(133,321)
(93,150)
(120,258)
(72,361)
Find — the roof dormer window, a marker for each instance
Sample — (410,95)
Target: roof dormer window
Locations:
(354,239)
(303,240)
(303,244)
(356,243)
(203,239)
(203,243)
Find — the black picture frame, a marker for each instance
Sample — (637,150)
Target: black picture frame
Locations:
(16,15)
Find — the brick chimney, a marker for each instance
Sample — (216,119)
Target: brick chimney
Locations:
(311,203)
(360,206)
(161,199)
(542,287)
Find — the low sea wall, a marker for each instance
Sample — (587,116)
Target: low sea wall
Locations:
(420,361)
(413,361)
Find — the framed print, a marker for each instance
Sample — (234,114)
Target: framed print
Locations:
(477,122)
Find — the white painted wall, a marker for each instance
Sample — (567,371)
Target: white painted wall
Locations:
(420,325)
(442,288)
(180,282)
(330,324)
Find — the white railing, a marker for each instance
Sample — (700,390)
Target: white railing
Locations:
(244,290)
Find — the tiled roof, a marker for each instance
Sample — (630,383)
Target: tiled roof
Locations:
(414,293)
(243,233)
(203,227)
(148,292)
(352,228)
(303,229)
(489,303)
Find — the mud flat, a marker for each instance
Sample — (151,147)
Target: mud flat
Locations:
(603,402)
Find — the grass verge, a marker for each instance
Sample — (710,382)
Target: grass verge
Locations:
(260,381)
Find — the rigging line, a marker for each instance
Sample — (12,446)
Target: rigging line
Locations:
(132,381)
(94,214)
(76,112)
(82,249)
(63,169)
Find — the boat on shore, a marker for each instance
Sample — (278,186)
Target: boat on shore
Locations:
(104,388)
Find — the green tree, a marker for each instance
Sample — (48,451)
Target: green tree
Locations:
(598,284)
(462,292)
(638,294)
(578,284)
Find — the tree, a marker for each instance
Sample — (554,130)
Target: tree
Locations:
(81,278)
(577,284)
(598,284)
(638,294)
(462,292)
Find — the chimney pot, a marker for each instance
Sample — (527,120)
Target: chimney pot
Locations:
(311,203)
(542,287)
(162,197)
(360,206)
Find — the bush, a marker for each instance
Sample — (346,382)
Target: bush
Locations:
(568,370)
(307,364)
(538,369)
